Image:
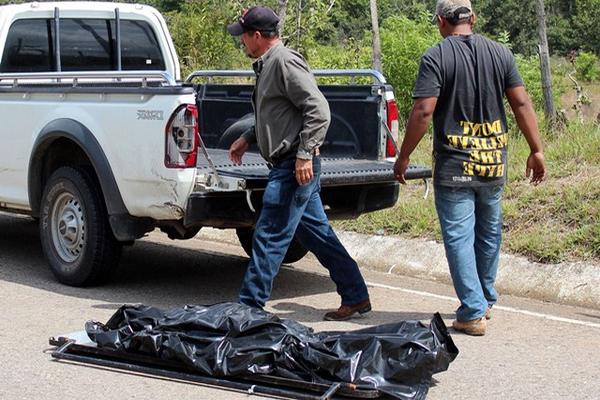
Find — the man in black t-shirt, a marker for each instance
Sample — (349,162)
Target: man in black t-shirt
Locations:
(462,82)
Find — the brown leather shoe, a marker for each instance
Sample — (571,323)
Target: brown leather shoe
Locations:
(347,311)
(474,327)
(488,313)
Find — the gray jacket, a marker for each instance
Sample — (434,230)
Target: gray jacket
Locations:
(292,115)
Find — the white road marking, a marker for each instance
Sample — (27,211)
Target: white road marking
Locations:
(496,307)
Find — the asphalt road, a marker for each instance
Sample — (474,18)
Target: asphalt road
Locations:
(532,350)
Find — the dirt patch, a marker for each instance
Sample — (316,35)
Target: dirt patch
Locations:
(590,112)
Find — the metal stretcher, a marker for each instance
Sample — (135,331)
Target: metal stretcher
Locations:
(77,347)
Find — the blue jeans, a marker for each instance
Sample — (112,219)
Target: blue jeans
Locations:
(471,222)
(289,209)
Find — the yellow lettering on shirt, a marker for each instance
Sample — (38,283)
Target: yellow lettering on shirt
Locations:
(481,129)
(469,143)
(486,157)
(484,142)
(488,171)
(468,168)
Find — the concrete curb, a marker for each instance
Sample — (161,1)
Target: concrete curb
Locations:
(575,284)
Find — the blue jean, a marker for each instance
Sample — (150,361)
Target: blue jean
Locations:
(290,209)
(471,222)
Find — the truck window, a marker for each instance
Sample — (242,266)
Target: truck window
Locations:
(139,48)
(85,45)
(29,47)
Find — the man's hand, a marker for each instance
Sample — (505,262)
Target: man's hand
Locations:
(400,168)
(304,171)
(417,124)
(526,120)
(237,150)
(536,167)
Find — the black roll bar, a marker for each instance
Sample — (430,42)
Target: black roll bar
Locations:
(376,75)
(118,34)
(57,39)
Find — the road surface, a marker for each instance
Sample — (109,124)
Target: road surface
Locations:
(533,350)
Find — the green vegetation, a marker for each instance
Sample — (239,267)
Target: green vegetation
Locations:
(403,42)
(529,68)
(201,41)
(587,67)
(559,219)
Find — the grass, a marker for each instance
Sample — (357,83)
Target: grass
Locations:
(556,221)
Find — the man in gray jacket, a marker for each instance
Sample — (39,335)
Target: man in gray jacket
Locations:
(292,117)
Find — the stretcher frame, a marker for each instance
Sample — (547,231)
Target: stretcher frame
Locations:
(76,347)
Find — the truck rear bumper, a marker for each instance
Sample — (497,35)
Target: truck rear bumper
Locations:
(231,209)
(349,188)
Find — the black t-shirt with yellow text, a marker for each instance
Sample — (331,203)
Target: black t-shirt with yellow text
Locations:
(469,75)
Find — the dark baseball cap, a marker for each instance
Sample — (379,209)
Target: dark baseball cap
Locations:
(255,19)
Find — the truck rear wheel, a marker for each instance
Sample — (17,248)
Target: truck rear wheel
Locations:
(74,229)
(295,252)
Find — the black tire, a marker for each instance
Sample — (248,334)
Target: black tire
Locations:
(295,252)
(74,229)
(235,130)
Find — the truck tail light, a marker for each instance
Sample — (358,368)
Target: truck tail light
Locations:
(182,138)
(392,123)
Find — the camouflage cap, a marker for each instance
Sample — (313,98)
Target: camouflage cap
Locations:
(453,9)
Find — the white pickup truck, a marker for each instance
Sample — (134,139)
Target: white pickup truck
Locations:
(102,142)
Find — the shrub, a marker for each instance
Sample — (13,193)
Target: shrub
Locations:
(351,54)
(202,42)
(403,42)
(587,67)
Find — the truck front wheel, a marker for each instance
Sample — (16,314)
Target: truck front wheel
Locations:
(74,229)
(295,252)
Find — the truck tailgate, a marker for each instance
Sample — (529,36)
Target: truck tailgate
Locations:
(334,171)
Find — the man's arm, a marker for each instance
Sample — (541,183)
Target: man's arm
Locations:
(526,120)
(418,121)
(303,92)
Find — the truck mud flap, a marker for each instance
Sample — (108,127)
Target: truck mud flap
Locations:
(242,348)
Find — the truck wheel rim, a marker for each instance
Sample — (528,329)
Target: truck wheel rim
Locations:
(68,227)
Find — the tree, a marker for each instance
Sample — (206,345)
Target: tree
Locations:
(586,25)
(376,41)
(549,109)
(281,12)
(303,19)
(513,16)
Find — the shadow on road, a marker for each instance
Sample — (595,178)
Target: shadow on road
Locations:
(167,276)
(311,314)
